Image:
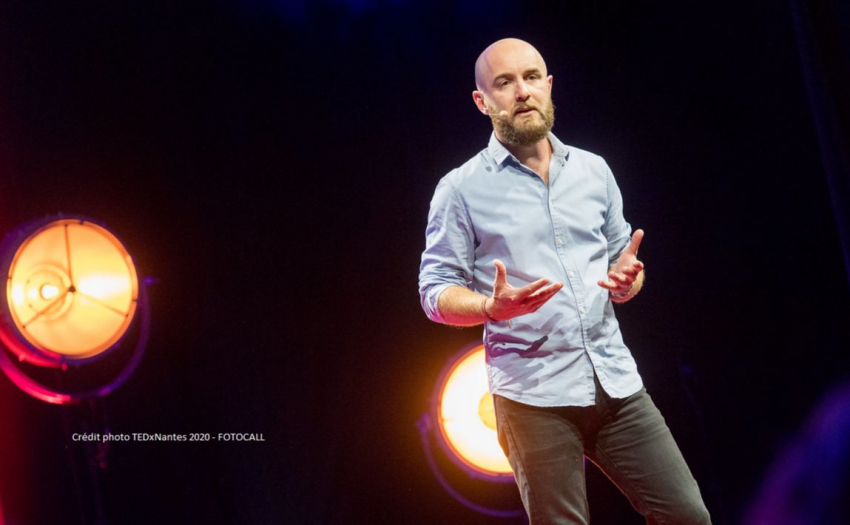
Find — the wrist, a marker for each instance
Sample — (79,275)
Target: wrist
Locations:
(623,296)
(486,312)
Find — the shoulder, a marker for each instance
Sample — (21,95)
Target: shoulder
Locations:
(586,158)
(590,166)
(470,173)
(580,158)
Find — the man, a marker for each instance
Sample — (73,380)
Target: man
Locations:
(528,237)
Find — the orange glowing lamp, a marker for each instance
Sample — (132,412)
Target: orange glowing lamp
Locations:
(466,417)
(71,293)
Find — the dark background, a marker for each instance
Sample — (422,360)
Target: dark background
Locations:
(270,164)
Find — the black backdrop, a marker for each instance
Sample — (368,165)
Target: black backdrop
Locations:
(270,165)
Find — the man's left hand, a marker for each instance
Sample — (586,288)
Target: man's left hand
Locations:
(622,277)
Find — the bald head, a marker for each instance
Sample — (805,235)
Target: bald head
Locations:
(515,90)
(504,54)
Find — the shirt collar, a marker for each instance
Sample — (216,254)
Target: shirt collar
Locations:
(500,153)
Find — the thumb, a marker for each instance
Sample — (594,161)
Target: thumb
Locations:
(501,275)
(637,237)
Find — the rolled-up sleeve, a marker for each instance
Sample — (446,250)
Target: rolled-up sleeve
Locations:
(449,249)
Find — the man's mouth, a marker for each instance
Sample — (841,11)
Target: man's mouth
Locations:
(524,109)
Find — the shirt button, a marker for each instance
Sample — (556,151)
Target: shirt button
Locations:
(560,241)
(582,310)
(572,274)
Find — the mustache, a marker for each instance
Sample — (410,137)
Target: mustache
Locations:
(544,110)
(524,106)
(520,107)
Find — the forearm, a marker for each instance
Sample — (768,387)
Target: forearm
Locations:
(461,306)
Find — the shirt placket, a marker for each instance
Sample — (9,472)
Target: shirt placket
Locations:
(562,248)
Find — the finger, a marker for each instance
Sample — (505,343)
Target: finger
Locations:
(546,293)
(631,271)
(501,279)
(630,277)
(608,285)
(542,298)
(537,306)
(529,289)
(637,237)
(620,278)
(636,266)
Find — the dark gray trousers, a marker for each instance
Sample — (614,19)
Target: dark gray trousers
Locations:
(627,438)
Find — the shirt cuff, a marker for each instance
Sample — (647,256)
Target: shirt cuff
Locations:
(431,301)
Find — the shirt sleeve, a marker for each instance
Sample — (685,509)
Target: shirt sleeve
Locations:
(449,253)
(617,231)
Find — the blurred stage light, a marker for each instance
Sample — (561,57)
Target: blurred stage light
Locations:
(72,293)
(462,421)
(467,419)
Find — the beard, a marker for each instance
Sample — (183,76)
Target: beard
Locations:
(528,132)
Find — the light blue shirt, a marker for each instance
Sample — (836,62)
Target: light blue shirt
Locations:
(494,207)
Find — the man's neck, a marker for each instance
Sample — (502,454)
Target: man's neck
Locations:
(535,156)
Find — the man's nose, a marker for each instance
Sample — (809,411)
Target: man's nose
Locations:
(522,92)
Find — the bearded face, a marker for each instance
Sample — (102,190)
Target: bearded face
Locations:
(527,125)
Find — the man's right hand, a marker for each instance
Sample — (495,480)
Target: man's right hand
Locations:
(508,302)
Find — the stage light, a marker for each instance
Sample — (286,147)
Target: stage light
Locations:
(462,422)
(72,293)
(467,419)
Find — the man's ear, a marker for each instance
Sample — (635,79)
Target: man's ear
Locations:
(478,98)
